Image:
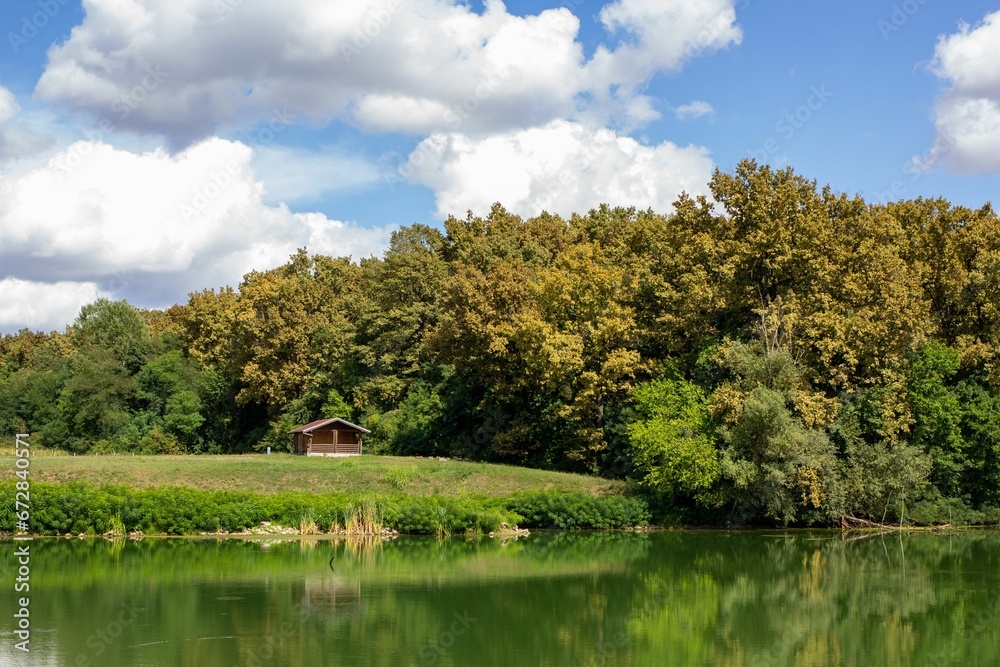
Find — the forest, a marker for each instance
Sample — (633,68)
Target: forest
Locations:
(779,353)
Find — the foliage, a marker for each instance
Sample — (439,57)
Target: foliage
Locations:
(776,461)
(82,508)
(116,327)
(561,509)
(777,353)
(673,439)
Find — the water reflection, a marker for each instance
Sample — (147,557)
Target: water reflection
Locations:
(673,598)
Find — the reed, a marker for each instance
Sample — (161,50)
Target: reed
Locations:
(116,526)
(307,523)
(364,518)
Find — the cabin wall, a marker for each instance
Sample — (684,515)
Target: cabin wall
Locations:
(334,441)
(329,441)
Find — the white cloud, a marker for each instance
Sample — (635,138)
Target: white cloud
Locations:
(21,133)
(667,33)
(659,35)
(185,68)
(8,105)
(515,111)
(157,226)
(695,109)
(43,306)
(967,116)
(563,167)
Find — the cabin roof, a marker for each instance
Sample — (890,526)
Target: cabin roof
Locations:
(320,423)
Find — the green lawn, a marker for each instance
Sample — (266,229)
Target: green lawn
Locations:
(283,472)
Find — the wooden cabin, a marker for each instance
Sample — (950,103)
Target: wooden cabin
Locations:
(329,437)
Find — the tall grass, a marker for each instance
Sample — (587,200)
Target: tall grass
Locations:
(8,448)
(364,518)
(116,526)
(398,478)
(307,523)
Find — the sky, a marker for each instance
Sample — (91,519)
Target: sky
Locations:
(151,148)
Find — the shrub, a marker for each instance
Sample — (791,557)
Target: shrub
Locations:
(560,509)
(80,508)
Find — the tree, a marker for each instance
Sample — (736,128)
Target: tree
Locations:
(879,467)
(777,462)
(981,433)
(96,406)
(674,440)
(172,385)
(937,415)
(114,326)
(398,308)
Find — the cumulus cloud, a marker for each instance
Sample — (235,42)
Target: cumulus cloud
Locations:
(184,68)
(21,134)
(564,167)
(659,35)
(155,226)
(695,109)
(515,109)
(967,115)
(666,33)
(8,105)
(43,306)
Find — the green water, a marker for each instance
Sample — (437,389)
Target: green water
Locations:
(676,598)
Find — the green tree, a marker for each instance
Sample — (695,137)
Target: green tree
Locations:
(981,433)
(879,467)
(937,415)
(96,405)
(171,386)
(777,462)
(674,439)
(114,326)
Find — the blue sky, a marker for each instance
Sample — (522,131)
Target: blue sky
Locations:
(149,148)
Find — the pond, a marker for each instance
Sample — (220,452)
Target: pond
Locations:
(667,598)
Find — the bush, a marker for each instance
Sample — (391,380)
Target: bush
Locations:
(556,509)
(76,508)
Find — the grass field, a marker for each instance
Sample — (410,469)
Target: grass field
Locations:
(284,472)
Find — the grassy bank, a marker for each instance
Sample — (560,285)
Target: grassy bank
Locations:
(184,495)
(283,473)
(77,508)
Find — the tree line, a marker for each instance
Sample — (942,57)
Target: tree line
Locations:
(780,352)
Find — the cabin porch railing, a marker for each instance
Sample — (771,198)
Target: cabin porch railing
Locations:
(345,448)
